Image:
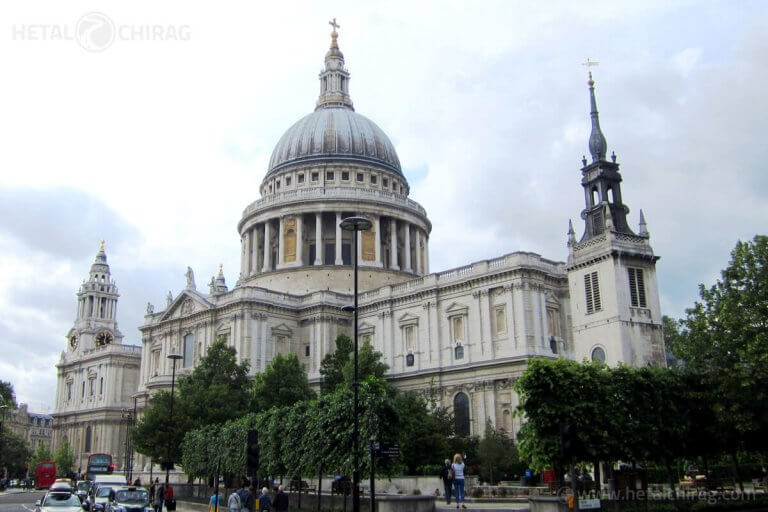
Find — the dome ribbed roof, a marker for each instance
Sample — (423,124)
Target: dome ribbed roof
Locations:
(335,133)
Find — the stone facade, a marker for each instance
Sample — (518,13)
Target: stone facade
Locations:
(32,427)
(96,375)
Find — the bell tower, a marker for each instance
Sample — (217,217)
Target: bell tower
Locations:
(96,324)
(615,310)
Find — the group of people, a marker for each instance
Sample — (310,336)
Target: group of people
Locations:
(161,494)
(453,480)
(244,499)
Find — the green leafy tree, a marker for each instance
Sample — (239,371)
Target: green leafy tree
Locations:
(14,453)
(423,434)
(672,336)
(369,364)
(42,453)
(65,459)
(332,365)
(7,395)
(497,453)
(216,391)
(282,383)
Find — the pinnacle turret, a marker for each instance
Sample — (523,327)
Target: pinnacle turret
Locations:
(334,78)
(597,144)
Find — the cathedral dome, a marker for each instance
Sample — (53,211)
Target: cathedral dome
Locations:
(336,132)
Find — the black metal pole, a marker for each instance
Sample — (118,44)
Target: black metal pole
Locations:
(170,424)
(373,478)
(356,432)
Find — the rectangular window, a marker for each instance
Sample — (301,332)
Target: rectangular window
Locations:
(592,290)
(189,350)
(359,176)
(101,385)
(301,177)
(315,176)
(329,176)
(330,254)
(410,335)
(277,184)
(287,181)
(306,350)
(69,391)
(385,182)
(373,179)
(83,389)
(346,254)
(636,287)
(501,320)
(90,386)
(312,254)
(345,176)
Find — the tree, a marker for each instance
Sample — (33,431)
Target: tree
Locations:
(282,383)
(216,391)
(423,435)
(65,459)
(42,453)
(497,454)
(332,365)
(369,364)
(14,453)
(672,336)
(7,395)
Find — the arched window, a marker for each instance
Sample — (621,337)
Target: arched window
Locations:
(598,355)
(595,196)
(611,199)
(461,414)
(87,438)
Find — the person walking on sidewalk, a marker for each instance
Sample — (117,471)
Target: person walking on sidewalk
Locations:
(458,479)
(447,475)
(265,502)
(233,503)
(281,500)
(159,497)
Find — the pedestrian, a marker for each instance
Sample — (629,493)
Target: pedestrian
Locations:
(265,502)
(458,479)
(159,497)
(213,503)
(250,501)
(152,488)
(281,500)
(137,482)
(447,476)
(233,503)
(245,496)
(170,503)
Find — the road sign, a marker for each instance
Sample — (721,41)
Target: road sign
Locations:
(386,449)
(589,504)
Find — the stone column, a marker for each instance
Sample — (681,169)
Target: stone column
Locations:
(407,231)
(338,260)
(318,239)
(419,270)
(281,243)
(254,250)
(377,239)
(393,263)
(299,240)
(247,253)
(426,253)
(267,251)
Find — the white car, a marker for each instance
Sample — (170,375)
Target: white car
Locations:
(130,499)
(59,502)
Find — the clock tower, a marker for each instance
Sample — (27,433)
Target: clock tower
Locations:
(95,324)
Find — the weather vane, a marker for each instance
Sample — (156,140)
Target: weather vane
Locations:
(589,65)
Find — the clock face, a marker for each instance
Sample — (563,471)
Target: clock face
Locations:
(73,341)
(103,338)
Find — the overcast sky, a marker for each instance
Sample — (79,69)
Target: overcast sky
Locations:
(150,125)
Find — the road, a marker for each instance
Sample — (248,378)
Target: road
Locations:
(15,500)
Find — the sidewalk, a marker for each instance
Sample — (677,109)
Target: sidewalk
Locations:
(440,506)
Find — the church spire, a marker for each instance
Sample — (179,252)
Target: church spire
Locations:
(597,145)
(334,78)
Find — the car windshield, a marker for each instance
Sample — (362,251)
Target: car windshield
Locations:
(84,485)
(103,492)
(132,496)
(61,500)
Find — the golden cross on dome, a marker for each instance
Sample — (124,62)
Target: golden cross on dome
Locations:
(101,245)
(334,24)
(589,65)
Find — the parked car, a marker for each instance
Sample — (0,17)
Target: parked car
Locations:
(82,490)
(130,499)
(59,502)
(101,497)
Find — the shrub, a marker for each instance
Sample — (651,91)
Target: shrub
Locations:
(502,492)
(416,492)
(476,492)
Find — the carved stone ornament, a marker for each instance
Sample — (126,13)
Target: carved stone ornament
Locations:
(188,306)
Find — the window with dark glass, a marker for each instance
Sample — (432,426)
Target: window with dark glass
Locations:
(301,177)
(409,360)
(329,258)
(373,179)
(346,254)
(315,176)
(345,176)
(306,350)
(329,176)
(458,352)
(461,414)
(359,176)
(88,438)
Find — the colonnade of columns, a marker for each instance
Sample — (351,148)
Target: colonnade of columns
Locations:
(317,239)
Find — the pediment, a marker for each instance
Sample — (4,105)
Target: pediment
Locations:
(408,318)
(552,301)
(282,329)
(185,304)
(456,308)
(366,328)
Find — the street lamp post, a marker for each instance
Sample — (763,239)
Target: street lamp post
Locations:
(355,224)
(174,358)
(127,416)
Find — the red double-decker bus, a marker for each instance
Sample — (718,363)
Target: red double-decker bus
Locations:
(45,474)
(99,464)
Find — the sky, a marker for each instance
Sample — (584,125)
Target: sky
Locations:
(150,125)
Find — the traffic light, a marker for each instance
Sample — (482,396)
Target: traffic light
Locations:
(567,440)
(252,452)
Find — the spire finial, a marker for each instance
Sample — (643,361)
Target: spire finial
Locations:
(334,79)
(101,246)
(334,34)
(221,269)
(571,234)
(597,144)
(643,224)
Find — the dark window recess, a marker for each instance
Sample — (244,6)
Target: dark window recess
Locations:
(461,414)
(458,352)
(592,291)
(346,254)
(360,176)
(345,176)
(277,184)
(373,179)
(409,360)
(287,181)
(306,350)
(637,287)
(315,176)
(329,176)
(301,178)
(312,253)
(385,182)
(329,258)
